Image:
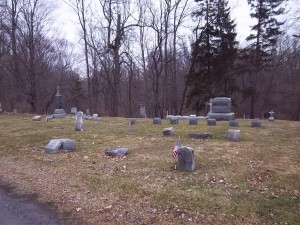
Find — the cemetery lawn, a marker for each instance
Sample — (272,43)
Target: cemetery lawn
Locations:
(254,181)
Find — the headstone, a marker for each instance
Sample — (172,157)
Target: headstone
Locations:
(211,122)
(95,115)
(186,160)
(68,145)
(233,123)
(0,108)
(116,151)
(256,123)
(220,109)
(169,131)
(59,112)
(193,121)
(200,136)
(143,111)
(73,110)
(88,117)
(48,118)
(37,118)
(53,146)
(233,135)
(131,122)
(156,120)
(271,118)
(169,117)
(15,111)
(87,112)
(79,121)
(174,120)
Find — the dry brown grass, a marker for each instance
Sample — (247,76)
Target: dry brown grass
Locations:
(254,181)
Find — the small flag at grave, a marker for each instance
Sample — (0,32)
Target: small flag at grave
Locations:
(175,150)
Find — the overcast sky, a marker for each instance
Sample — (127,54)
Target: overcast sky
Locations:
(65,19)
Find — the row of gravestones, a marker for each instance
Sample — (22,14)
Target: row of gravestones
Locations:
(210,122)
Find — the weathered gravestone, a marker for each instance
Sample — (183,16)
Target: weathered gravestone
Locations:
(169,131)
(193,121)
(233,135)
(173,120)
(73,110)
(143,111)
(59,112)
(116,151)
(211,122)
(220,109)
(256,123)
(37,118)
(79,121)
(186,160)
(56,145)
(233,123)
(131,122)
(15,111)
(156,120)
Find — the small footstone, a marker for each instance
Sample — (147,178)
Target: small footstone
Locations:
(116,151)
(37,118)
(233,135)
(156,120)
(211,122)
(169,131)
(256,123)
(233,123)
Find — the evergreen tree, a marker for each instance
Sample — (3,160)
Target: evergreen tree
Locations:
(213,54)
(263,43)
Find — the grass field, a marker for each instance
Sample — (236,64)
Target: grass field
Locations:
(254,181)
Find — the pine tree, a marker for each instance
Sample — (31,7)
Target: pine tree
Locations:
(263,43)
(213,54)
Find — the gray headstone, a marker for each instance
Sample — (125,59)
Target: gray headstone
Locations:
(233,123)
(53,146)
(15,111)
(143,113)
(68,145)
(200,136)
(79,121)
(169,131)
(156,120)
(73,110)
(173,120)
(37,118)
(116,151)
(186,160)
(233,135)
(193,121)
(256,123)
(131,122)
(211,122)
(220,109)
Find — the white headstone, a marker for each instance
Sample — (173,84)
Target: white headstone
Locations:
(79,121)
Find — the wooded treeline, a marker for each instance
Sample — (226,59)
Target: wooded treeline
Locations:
(171,55)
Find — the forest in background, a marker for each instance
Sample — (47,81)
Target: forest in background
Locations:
(171,55)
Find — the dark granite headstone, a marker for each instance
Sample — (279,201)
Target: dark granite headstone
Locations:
(173,120)
(220,109)
(186,160)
